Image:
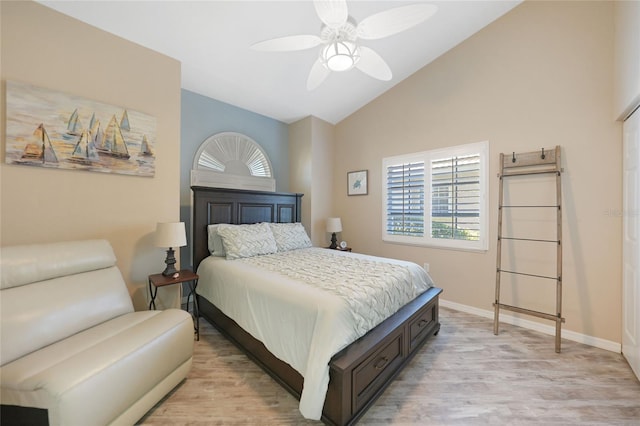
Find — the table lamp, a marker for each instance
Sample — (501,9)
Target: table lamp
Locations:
(334,224)
(170,234)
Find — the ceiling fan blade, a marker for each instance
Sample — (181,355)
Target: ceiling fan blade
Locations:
(333,13)
(372,64)
(285,44)
(317,75)
(394,20)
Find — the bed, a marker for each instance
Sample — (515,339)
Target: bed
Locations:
(358,373)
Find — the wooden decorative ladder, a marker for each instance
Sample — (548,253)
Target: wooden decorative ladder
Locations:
(531,163)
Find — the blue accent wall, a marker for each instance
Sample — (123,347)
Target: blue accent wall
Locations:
(202,117)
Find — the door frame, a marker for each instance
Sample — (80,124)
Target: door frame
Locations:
(631,241)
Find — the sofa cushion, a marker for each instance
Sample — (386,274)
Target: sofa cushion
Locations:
(38,262)
(51,291)
(45,312)
(95,375)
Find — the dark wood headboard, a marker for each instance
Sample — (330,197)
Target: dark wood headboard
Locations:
(238,206)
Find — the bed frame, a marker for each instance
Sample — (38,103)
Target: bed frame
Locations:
(360,372)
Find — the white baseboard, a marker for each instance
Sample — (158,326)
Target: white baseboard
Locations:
(532,325)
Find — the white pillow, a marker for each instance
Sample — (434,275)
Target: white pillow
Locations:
(290,236)
(247,240)
(216,248)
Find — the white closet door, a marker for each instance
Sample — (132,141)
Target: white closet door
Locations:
(631,243)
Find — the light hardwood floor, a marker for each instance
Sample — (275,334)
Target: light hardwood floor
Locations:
(463,376)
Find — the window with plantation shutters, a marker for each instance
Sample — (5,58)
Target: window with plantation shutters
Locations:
(437,198)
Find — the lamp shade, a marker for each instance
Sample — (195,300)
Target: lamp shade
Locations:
(171,234)
(334,224)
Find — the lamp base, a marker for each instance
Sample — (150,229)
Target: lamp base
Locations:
(334,241)
(170,261)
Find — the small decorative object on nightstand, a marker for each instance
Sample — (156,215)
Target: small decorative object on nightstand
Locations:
(334,224)
(341,247)
(178,277)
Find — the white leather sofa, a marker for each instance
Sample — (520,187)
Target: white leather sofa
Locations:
(72,349)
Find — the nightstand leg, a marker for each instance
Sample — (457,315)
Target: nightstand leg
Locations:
(196,309)
(153,294)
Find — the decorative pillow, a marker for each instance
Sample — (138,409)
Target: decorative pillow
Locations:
(290,236)
(247,240)
(216,248)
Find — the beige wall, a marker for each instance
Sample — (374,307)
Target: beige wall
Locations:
(540,76)
(51,50)
(322,154)
(300,167)
(311,142)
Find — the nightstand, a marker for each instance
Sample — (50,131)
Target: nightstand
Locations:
(184,276)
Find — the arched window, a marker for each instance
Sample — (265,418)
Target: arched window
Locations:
(232,160)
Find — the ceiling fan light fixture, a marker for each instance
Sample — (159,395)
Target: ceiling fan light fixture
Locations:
(340,55)
(340,35)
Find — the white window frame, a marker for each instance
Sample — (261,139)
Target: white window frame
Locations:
(482,244)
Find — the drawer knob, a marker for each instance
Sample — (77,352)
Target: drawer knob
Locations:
(381,363)
(422,323)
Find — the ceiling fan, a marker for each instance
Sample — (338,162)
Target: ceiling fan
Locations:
(340,35)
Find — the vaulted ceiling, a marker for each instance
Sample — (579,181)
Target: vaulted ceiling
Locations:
(212,40)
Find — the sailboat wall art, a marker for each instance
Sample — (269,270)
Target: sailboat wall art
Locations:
(47,128)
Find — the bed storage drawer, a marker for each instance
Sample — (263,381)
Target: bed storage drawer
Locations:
(369,375)
(422,325)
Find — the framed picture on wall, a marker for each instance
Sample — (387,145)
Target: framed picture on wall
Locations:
(48,128)
(357,182)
